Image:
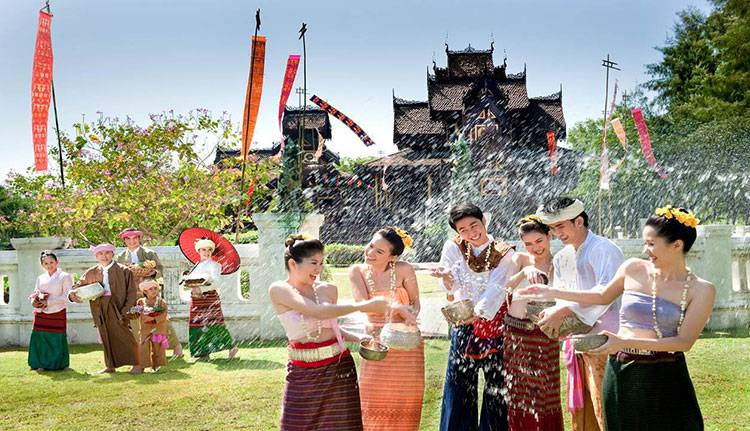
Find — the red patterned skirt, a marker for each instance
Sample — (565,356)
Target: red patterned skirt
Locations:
(531,366)
(324,397)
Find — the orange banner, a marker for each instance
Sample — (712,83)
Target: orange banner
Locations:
(41,83)
(252,101)
(552,147)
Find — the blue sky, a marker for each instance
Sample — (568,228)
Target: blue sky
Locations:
(135,57)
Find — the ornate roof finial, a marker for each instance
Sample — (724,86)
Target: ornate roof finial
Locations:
(492,42)
(434,65)
(505,58)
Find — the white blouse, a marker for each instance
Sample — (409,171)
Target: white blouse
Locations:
(57,287)
(211,271)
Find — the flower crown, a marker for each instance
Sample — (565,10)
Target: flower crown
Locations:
(405,237)
(529,218)
(685,217)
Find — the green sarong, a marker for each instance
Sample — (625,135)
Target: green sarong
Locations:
(651,392)
(48,345)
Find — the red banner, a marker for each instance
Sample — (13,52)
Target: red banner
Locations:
(552,144)
(41,84)
(252,101)
(286,88)
(640,124)
(344,119)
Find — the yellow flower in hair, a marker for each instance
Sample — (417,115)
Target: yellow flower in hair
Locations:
(683,217)
(405,237)
(530,218)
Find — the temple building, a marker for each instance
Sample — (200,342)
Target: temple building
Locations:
(474,104)
(478,136)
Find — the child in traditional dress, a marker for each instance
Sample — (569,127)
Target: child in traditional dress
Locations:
(153,337)
(48,346)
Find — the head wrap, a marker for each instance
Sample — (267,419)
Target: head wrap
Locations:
(205,243)
(148,282)
(568,213)
(102,247)
(130,232)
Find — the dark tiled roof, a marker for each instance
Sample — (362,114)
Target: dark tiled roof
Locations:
(552,106)
(406,157)
(470,50)
(514,88)
(413,118)
(315,118)
(446,97)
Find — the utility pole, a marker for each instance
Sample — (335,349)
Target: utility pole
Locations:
(607,64)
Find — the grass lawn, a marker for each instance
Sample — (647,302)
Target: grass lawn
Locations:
(246,393)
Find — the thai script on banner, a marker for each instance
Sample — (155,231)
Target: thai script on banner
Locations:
(254,83)
(344,119)
(640,124)
(286,87)
(552,144)
(41,84)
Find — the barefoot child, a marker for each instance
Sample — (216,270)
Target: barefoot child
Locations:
(154,319)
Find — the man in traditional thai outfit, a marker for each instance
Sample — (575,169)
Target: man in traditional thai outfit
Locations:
(587,262)
(136,254)
(110,310)
(474,266)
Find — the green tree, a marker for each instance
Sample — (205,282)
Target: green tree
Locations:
(119,174)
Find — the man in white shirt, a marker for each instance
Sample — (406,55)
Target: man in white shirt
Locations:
(587,262)
(474,266)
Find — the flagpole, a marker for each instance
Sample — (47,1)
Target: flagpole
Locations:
(301,140)
(607,64)
(245,146)
(54,108)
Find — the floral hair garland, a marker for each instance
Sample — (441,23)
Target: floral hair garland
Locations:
(405,237)
(530,218)
(682,216)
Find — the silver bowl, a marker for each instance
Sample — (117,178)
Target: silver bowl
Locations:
(589,342)
(372,350)
(458,311)
(533,308)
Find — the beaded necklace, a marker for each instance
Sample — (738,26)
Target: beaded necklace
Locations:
(391,289)
(683,302)
(304,322)
(487,252)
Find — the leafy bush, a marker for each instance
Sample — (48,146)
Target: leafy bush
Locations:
(344,254)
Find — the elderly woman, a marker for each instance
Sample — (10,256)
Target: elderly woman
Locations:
(391,390)
(321,383)
(664,309)
(206,332)
(48,346)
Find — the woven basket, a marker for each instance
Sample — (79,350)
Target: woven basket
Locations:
(142,272)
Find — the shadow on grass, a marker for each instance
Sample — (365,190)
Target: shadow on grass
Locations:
(69,374)
(147,378)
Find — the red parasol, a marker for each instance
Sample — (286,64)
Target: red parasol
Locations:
(225,253)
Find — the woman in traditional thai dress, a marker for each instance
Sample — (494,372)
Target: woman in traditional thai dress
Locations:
(392,389)
(48,346)
(532,360)
(206,332)
(664,309)
(321,391)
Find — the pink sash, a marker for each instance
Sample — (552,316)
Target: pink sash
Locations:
(575,381)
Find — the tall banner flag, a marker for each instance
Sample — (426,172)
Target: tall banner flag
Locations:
(640,124)
(604,169)
(286,87)
(41,84)
(255,83)
(620,132)
(552,144)
(344,119)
